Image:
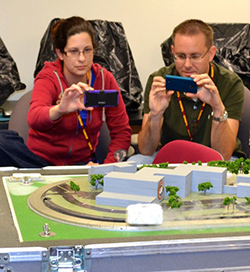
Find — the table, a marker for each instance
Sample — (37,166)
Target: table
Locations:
(136,251)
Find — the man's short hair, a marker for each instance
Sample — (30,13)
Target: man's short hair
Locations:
(193,27)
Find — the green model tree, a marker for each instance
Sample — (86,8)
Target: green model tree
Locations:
(234,202)
(227,201)
(159,165)
(172,190)
(74,187)
(96,179)
(205,186)
(239,165)
(230,200)
(247,200)
(174,201)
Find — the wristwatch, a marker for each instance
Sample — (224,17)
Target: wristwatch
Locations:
(220,119)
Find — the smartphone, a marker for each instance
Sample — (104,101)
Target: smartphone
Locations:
(181,84)
(101,98)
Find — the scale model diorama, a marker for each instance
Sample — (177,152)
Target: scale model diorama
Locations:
(166,197)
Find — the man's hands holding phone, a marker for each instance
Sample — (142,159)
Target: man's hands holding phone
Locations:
(159,98)
(208,92)
(162,90)
(197,87)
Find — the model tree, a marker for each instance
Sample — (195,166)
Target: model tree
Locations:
(234,202)
(174,201)
(239,165)
(159,165)
(247,200)
(74,187)
(246,166)
(205,186)
(97,179)
(172,190)
(230,200)
(163,165)
(227,201)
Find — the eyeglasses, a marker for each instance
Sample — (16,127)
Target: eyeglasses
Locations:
(75,53)
(195,58)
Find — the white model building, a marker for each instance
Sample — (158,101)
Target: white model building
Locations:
(123,190)
(145,185)
(104,169)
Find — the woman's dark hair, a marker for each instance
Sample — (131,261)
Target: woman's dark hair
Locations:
(65,28)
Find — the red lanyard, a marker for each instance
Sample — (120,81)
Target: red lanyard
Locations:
(93,155)
(200,113)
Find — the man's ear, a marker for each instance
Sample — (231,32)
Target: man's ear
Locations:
(172,49)
(212,52)
(59,54)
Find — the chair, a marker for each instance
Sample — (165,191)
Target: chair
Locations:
(179,151)
(244,128)
(18,119)
(9,79)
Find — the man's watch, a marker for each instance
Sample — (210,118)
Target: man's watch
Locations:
(220,119)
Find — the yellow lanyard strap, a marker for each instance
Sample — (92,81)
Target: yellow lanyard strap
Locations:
(93,155)
(200,113)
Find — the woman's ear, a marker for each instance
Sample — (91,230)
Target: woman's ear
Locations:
(59,54)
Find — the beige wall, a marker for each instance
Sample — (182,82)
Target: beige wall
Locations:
(147,24)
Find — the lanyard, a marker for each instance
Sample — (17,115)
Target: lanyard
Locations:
(85,133)
(184,116)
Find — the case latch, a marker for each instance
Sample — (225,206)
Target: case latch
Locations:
(67,258)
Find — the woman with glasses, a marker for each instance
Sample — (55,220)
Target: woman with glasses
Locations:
(62,130)
(209,117)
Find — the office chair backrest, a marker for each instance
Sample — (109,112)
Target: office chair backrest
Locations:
(179,151)
(244,128)
(18,119)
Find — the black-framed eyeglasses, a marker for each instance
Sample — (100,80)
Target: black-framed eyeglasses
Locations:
(75,53)
(193,57)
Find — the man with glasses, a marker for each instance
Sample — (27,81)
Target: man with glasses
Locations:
(209,117)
